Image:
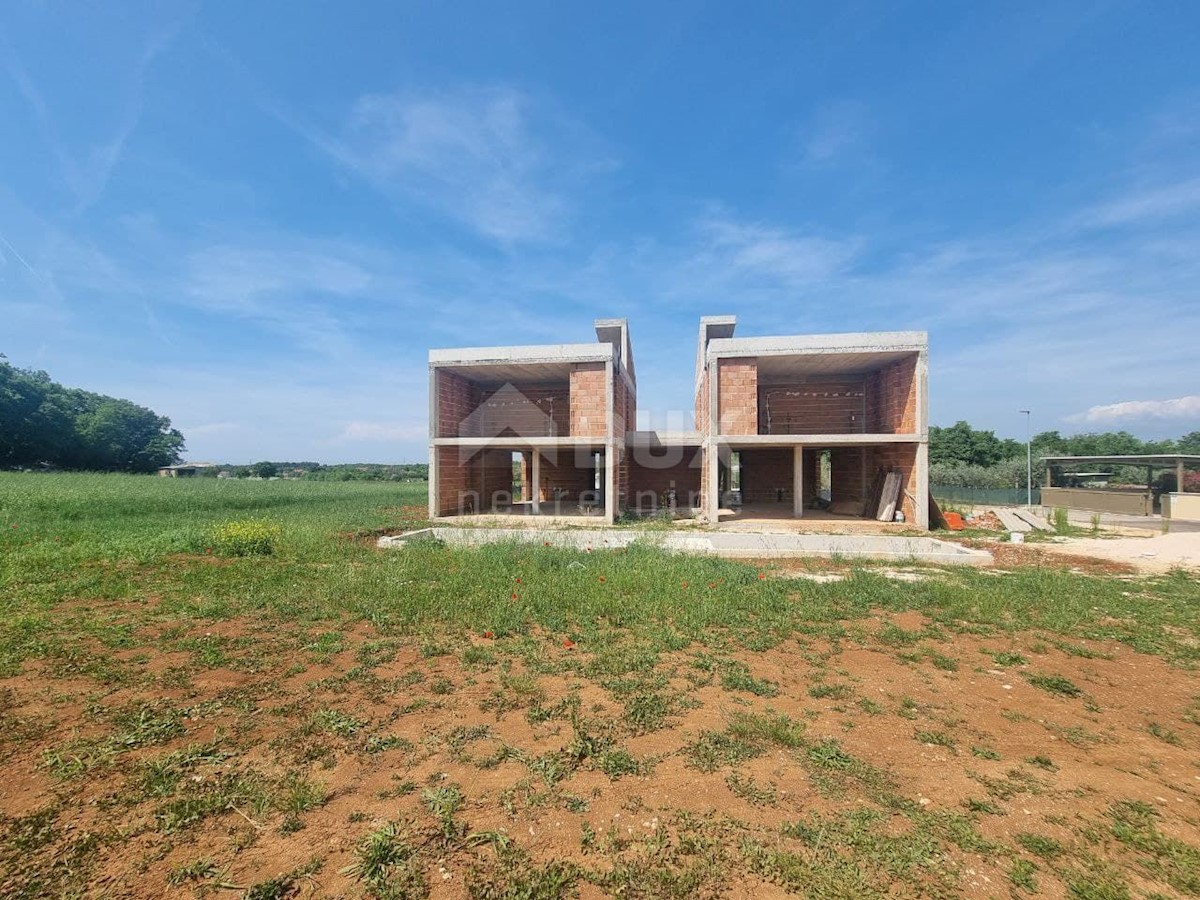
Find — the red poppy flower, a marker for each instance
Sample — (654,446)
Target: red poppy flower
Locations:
(568,644)
(685,584)
(518,581)
(514,597)
(711,585)
(488,635)
(601,577)
(762,575)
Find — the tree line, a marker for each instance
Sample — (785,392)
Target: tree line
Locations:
(44,424)
(311,471)
(962,456)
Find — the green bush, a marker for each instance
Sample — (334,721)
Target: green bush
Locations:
(245,537)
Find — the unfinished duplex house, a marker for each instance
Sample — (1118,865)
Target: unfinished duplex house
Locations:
(813,424)
(535,430)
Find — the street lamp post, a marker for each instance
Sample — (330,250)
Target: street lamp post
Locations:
(1028,460)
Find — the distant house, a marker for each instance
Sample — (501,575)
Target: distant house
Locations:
(184,470)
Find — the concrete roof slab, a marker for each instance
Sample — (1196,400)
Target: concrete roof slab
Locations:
(799,344)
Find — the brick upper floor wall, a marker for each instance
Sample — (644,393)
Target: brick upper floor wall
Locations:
(624,407)
(589,400)
(457,398)
(891,398)
(737,396)
(813,407)
(468,409)
(524,411)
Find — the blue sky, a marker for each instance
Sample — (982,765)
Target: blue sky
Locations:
(257,218)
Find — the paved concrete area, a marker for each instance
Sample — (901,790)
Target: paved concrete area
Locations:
(1160,553)
(1115,522)
(726,544)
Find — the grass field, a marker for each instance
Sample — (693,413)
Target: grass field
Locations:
(526,722)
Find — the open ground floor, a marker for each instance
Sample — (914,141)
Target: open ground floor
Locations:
(794,481)
(523,481)
(721,482)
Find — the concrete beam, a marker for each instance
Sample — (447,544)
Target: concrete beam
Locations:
(520,443)
(799,344)
(536,353)
(817,440)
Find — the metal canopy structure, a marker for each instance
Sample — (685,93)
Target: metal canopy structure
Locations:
(1180,462)
(1157,460)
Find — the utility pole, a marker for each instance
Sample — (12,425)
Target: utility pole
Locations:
(1028,460)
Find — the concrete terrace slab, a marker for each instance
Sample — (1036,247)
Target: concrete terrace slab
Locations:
(744,546)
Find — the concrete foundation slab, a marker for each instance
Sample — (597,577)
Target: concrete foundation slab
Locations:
(725,544)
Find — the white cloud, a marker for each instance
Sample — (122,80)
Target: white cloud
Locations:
(303,289)
(1178,408)
(240,279)
(86,172)
(487,157)
(837,131)
(788,257)
(1148,204)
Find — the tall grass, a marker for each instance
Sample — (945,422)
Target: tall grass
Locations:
(84,537)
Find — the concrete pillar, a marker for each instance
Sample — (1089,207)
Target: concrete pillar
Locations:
(535,487)
(1179,476)
(610,509)
(922,499)
(798,481)
(1049,482)
(712,499)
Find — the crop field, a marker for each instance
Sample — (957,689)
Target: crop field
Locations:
(223,689)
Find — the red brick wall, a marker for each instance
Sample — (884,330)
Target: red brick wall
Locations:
(892,398)
(764,472)
(527,411)
(624,419)
(815,407)
(846,473)
(589,400)
(904,458)
(624,408)
(812,476)
(496,475)
(737,402)
(565,472)
(683,476)
(457,398)
(456,477)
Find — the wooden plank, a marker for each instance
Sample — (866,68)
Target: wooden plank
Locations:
(891,496)
(885,491)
